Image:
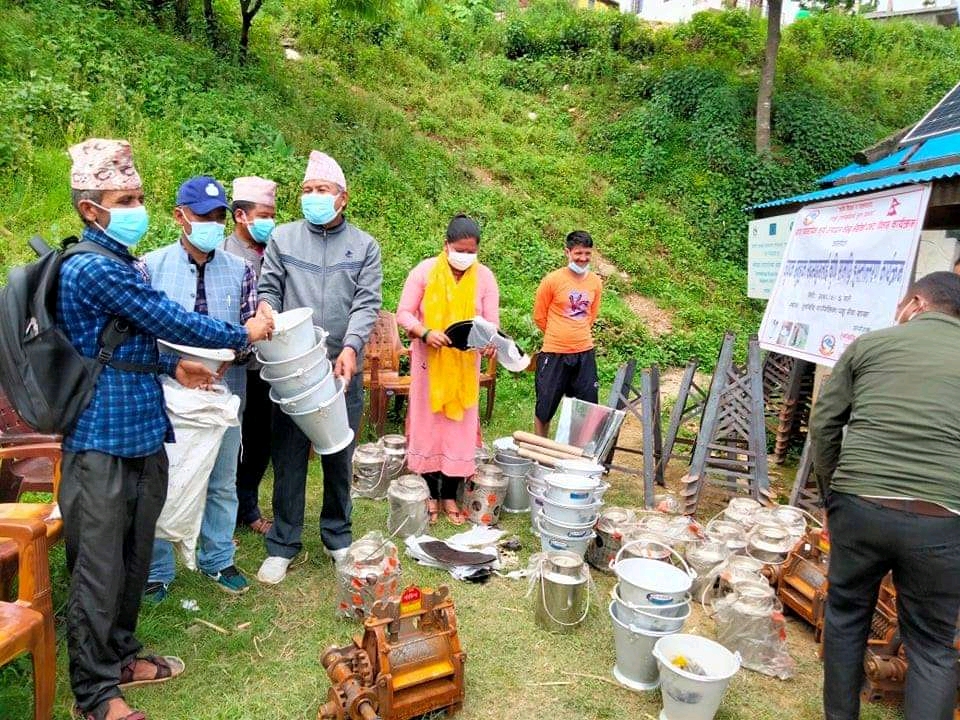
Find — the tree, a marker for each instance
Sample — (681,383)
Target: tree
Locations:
(210,19)
(248,10)
(767,76)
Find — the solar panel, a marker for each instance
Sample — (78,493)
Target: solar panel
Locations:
(942,119)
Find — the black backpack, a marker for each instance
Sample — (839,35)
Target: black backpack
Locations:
(46,379)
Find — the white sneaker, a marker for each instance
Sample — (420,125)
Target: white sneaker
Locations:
(337,555)
(273,570)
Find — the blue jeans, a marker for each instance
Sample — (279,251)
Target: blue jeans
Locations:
(215,549)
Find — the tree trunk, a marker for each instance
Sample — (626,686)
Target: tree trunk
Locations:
(181,10)
(210,19)
(767,75)
(248,11)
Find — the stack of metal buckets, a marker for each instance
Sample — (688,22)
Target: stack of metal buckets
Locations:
(566,503)
(651,600)
(301,380)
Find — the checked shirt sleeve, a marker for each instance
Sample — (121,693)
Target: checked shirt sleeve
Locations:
(124,294)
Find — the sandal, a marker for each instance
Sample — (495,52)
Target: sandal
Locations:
(453,513)
(260,526)
(168,667)
(433,511)
(100,712)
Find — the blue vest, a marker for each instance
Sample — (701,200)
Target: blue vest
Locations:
(172,272)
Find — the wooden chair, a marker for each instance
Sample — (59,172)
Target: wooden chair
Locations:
(20,474)
(27,624)
(384,376)
(27,512)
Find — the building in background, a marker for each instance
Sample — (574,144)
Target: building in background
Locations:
(675,11)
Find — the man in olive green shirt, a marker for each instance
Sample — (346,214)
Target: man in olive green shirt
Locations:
(892,488)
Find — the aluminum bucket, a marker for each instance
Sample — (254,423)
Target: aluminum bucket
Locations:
(310,399)
(636,667)
(517,499)
(292,335)
(562,599)
(301,379)
(275,369)
(327,426)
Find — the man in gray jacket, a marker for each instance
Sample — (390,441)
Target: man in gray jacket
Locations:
(325,263)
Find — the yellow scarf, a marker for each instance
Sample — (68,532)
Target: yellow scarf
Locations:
(453,378)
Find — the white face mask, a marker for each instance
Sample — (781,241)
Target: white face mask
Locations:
(460,260)
(900,320)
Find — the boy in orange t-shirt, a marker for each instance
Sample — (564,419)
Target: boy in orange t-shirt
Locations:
(565,308)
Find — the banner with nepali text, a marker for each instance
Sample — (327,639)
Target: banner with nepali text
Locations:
(846,266)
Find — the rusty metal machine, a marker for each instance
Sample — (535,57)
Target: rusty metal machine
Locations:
(802,581)
(407,662)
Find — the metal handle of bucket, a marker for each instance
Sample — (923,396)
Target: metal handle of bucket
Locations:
(543,598)
(613,563)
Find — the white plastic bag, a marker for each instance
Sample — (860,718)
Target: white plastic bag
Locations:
(200,418)
(508,354)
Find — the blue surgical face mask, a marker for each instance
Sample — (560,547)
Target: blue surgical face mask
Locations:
(206,236)
(318,208)
(579,269)
(126,225)
(261,229)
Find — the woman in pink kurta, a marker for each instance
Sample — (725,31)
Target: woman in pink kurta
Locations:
(438,447)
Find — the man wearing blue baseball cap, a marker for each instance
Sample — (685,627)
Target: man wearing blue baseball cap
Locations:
(197,273)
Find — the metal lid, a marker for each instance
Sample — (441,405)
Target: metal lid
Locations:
(394,442)
(409,488)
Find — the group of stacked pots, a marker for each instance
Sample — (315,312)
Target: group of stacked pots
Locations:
(566,505)
(301,380)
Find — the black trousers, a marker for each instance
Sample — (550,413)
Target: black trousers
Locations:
(291,456)
(256,430)
(564,374)
(442,487)
(110,507)
(867,541)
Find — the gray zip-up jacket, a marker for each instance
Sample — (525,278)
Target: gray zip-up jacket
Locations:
(335,271)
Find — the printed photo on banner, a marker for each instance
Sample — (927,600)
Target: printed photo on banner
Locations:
(846,265)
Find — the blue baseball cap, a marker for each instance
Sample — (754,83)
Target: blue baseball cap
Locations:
(202,194)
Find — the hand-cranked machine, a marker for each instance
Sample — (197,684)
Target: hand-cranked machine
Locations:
(407,662)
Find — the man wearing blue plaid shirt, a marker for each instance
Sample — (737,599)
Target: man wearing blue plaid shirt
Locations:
(114,464)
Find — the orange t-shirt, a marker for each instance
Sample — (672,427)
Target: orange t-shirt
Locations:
(565,309)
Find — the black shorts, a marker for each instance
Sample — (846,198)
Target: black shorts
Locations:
(559,374)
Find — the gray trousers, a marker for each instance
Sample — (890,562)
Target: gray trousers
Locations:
(110,507)
(867,541)
(290,453)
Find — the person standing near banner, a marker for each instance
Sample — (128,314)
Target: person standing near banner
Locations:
(892,498)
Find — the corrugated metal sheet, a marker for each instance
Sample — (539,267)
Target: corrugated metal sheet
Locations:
(930,150)
(902,178)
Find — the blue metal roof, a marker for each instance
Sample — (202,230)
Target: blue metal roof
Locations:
(932,149)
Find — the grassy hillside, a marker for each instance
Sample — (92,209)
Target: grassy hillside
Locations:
(545,121)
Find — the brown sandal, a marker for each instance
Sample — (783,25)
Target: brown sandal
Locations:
(168,667)
(100,712)
(433,511)
(455,514)
(260,525)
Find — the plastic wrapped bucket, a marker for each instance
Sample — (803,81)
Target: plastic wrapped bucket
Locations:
(292,335)
(636,667)
(690,695)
